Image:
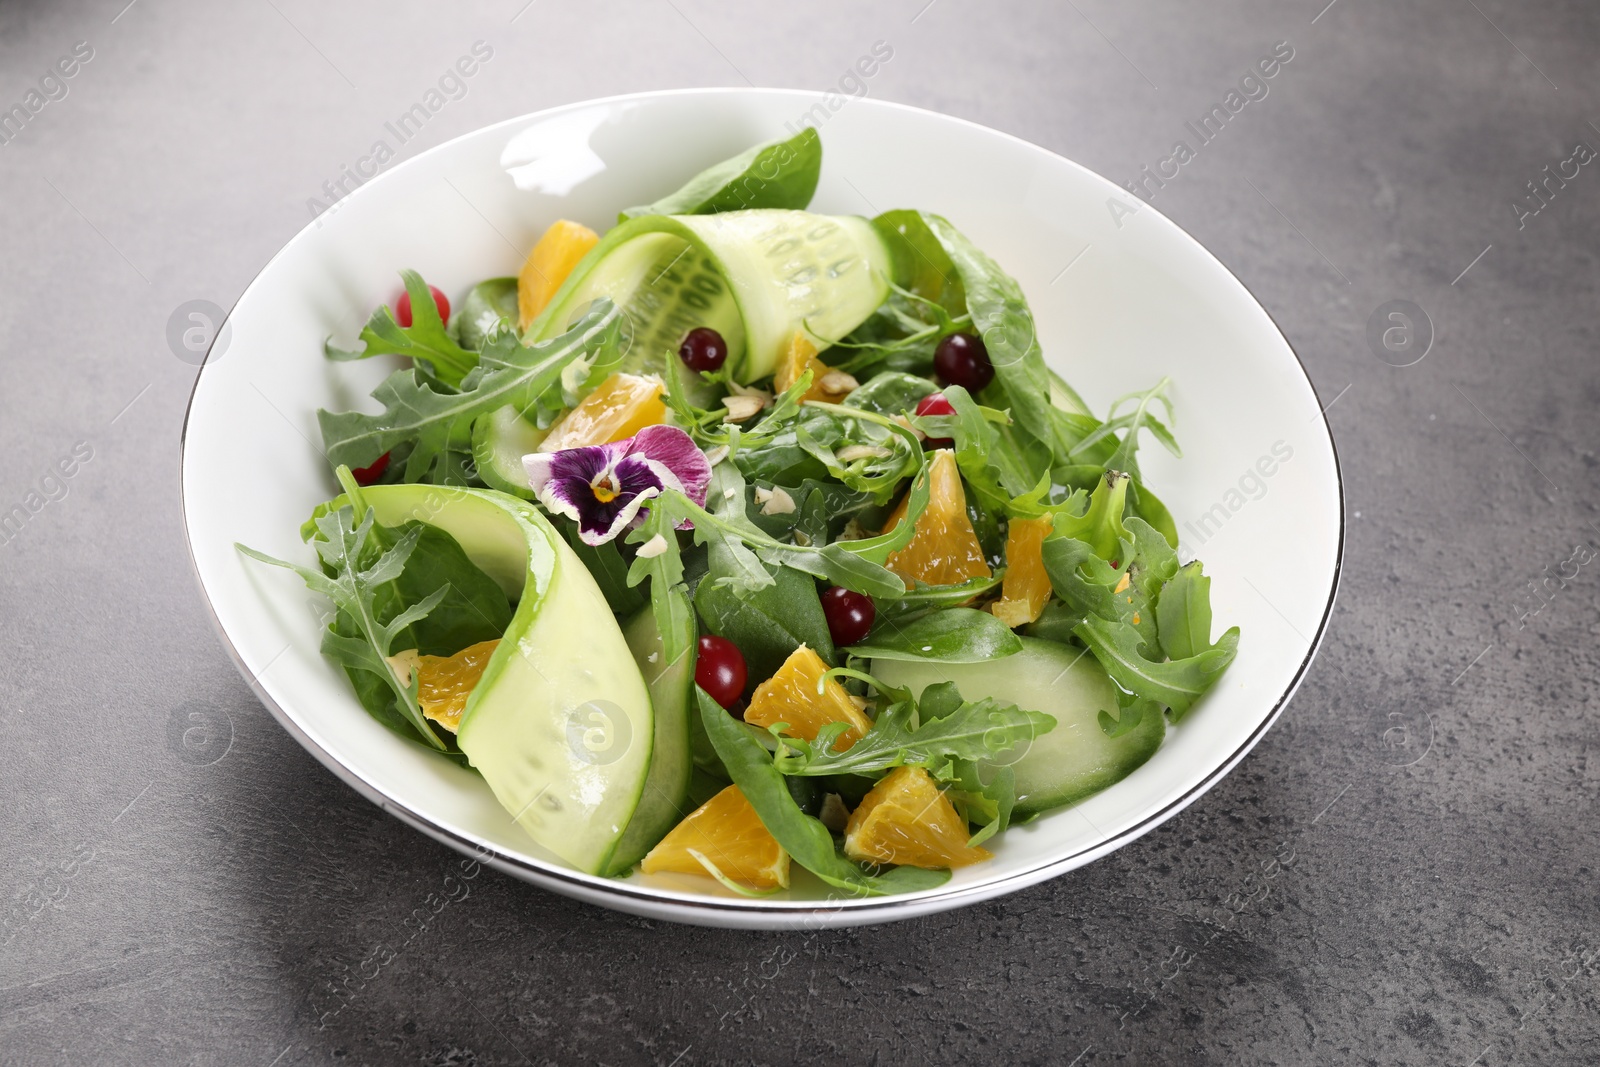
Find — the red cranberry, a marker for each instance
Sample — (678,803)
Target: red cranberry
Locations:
(372,472)
(961,359)
(720,670)
(703,349)
(849,614)
(936,404)
(402,308)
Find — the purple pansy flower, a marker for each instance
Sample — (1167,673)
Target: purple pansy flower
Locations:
(603,487)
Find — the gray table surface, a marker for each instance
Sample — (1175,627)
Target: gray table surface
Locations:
(1409,855)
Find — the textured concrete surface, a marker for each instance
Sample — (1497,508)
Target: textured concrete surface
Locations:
(1403,871)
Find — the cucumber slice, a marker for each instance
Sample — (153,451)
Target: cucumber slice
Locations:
(1075,759)
(499,441)
(560,725)
(754,276)
(666,788)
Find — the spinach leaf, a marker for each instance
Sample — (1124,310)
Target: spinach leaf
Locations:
(923,598)
(474,607)
(920,259)
(610,572)
(490,306)
(436,424)
(769,623)
(425,340)
(1001,317)
(1054,623)
(779,174)
(950,635)
(976,730)
(1176,684)
(357,572)
(1183,613)
(890,393)
(805,839)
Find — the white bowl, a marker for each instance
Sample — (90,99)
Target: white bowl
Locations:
(1141,299)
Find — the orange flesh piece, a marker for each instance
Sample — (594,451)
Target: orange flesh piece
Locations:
(945,549)
(445,682)
(619,407)
(727,831)
(1026,588)
(801,357)
(906,820)
(547,266)
(791,696)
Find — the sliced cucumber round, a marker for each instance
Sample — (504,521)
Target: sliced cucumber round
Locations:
(560,725)
(1069,762)
(499,441)
(756,277)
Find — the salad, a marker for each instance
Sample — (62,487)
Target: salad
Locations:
(741,541)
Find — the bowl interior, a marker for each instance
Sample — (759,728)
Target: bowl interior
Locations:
(1122,297)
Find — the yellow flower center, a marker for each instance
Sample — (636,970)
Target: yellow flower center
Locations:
(606,489)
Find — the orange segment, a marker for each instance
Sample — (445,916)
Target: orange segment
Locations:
(1026,588)
(444,682)
(727,831)
(944,550)
(547,266)
(791,696)
(801,357)
(619,407)
(906,820)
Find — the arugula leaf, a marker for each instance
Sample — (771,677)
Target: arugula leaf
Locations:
(767,624)
(1183,613)
(435,424)
(1176,684)
(778,174)
(665,571)
(988,804)
(425,340)
(352,587)
(1131,711)
(490,306)
(977,730)
(805,839)
(1080,577)
(950,635)
(1122,455)
(856,565)
(828,430)
(1100,526)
